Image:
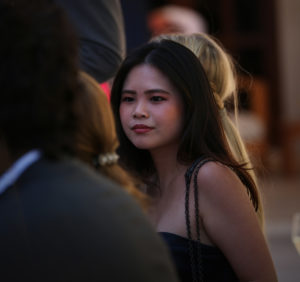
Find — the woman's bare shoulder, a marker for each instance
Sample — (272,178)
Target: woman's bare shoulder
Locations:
(216,181)
(213,172)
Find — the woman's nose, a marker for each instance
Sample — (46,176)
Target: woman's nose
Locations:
(140,111)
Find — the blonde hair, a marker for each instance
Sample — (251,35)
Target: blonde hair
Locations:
(97,135)
(221,73)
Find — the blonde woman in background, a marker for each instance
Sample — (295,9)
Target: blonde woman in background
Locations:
(221,73)
(97,140)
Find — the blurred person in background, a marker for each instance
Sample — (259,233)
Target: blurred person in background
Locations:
(99,25)
(60,221)
(221,73)
(174,18)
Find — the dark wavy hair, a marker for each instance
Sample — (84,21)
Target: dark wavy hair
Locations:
(202,135)
(38,77)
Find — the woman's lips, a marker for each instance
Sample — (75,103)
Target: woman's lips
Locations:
(141,128)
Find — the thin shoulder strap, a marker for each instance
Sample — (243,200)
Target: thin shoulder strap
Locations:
(196,164)
(196,259)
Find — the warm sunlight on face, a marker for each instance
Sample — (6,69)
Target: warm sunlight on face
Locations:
(151,109)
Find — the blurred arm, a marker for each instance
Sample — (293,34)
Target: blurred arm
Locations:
(100,28)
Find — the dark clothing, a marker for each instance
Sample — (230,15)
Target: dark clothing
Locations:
(135,21)
(100,28)
(215,266)
(61,221)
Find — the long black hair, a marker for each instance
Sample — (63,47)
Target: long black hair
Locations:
(202,135)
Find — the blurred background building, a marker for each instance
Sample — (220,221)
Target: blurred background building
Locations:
(264,39)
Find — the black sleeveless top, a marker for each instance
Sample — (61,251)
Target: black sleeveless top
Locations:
(215,266)
(196,261)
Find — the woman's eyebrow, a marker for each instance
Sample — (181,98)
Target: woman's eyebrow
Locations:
(126,91)
(157,90)
(149,91)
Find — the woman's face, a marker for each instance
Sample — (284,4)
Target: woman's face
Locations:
(151,109)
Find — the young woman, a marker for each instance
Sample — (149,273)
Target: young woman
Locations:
(204,202)
(221,73)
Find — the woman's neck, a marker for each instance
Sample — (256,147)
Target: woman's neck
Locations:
(167,166)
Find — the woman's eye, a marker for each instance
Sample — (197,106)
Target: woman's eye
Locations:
(157,98)
(126,99)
